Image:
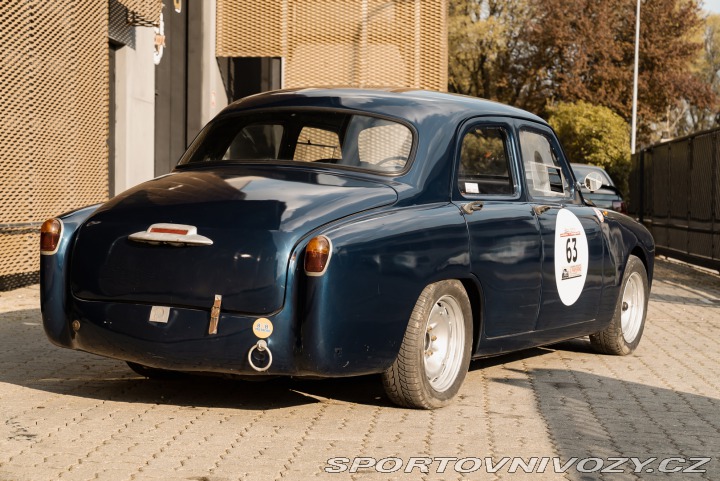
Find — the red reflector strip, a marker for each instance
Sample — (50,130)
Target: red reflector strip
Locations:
(161,230)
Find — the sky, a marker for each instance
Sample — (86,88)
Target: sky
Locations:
(712,6)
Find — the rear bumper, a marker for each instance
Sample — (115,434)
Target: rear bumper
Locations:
(123,331)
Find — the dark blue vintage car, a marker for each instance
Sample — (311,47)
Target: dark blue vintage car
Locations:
(347,232)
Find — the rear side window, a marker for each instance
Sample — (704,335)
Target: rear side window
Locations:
(543,173)
(382,144)
(484,162)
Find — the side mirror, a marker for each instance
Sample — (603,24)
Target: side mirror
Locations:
(593,181)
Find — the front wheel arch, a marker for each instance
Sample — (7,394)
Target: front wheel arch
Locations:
(629,315)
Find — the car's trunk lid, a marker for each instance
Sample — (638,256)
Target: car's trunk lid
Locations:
(253,216)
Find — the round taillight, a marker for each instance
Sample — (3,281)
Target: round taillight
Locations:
(317,255)
(50,236)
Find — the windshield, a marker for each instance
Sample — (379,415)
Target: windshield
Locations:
(581,171)
(322,137)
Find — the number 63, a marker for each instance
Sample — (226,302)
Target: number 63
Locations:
(571,251)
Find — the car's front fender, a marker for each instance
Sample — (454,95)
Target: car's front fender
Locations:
(628,236)
(624,237)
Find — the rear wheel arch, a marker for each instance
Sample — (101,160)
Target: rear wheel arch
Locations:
(436,350)
(475,294)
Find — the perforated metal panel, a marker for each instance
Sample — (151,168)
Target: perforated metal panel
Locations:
(252,28)
(54,103)
(119,28)
(147,12)
(359,43)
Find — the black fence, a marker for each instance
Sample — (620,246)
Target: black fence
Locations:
(674,192)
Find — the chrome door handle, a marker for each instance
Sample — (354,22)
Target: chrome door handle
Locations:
(471,207)
(540,209)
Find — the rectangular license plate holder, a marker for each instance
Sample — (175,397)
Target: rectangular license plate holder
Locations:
(159,314)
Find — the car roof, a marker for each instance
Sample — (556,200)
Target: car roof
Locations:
(410,104)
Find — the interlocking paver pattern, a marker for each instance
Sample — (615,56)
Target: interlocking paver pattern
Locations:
(74,416)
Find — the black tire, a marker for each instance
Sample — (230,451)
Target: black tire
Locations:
(155,373)
(613,339)
(407,382)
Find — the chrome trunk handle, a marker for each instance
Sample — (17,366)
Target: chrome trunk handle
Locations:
(172,234)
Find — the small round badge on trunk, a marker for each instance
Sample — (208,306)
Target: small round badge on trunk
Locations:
(262,328)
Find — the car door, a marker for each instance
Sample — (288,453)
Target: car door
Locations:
(504,237)
(572,241)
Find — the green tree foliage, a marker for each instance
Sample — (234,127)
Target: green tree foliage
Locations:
(489,56)
(709,61)
(684,117)
(592,134)
(483,152)
(531,52)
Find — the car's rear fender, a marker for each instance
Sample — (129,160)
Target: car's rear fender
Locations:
(54,278)
(353,318)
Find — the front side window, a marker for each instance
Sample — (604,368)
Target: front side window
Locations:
(543,173)
(484,162)
(317,137)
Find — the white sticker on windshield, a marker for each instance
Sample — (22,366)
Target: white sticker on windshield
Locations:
(571,256)
(471,188)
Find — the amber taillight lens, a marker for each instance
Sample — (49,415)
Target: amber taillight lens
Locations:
(317,255)
(50,236)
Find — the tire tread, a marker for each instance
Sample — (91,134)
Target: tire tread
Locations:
(610,340)
(403,381)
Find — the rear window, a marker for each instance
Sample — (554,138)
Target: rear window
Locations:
(321,137)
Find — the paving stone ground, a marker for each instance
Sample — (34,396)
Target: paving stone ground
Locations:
(67,415)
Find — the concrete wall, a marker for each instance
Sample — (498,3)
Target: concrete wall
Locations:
(214,98)
(135,99)
(135,111)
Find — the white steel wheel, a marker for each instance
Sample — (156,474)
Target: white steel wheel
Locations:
(623,334)
(435,352)
(444,343)
(632,309)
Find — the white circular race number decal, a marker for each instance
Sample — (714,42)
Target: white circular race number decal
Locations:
(571,256)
